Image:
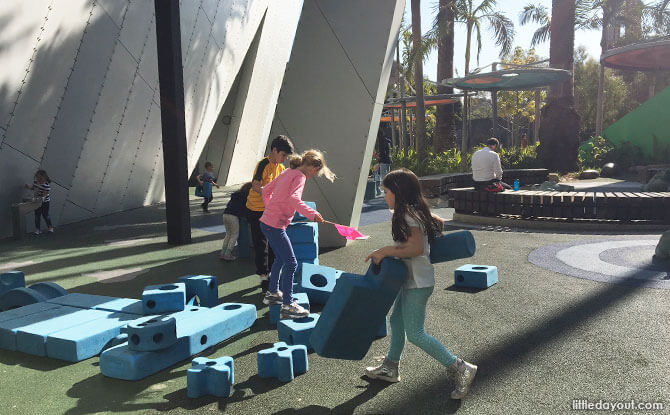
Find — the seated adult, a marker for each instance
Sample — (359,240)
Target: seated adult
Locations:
(486,169)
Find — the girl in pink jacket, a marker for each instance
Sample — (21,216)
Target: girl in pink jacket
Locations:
(282,197)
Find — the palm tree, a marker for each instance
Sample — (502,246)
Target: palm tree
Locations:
(444,136)
(560,121)
(472,16)
(420,125)
(584,19)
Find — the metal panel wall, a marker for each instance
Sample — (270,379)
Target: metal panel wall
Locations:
(333,95)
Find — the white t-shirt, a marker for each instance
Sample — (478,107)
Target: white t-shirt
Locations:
(486,165)
(421,271)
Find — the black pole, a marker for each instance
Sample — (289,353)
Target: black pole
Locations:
(173,121)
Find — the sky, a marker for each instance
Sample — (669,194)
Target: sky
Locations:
(489,52)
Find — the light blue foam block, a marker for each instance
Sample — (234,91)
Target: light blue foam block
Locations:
(49,289)
(356,310)
(451,246)
(476,276)
(8,328)
(297,331)
(19,297)
(164,298)
(156,333)
(122,305)
(100,302)
(283,361)
(210,377)
(194,335)
(303,232)
(302,300)
(318,281)
(32,338)
(10,280)
(305,252)
(206,287)
(26,310)
(298,217)
(86,340)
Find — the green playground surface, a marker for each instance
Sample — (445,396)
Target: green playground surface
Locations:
(541,339)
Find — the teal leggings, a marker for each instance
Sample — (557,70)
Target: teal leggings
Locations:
(409,314)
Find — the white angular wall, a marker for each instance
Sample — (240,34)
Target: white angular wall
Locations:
(79,96)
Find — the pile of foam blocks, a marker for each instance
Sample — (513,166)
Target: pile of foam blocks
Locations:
(175,321)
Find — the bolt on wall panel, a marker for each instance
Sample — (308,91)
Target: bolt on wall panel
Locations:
(45,84)
(137,26)
(80,99)
(223,15)
(120,164)
(15,170)
(116,9)
(149,60)
(21,24)
(211,8)
(101,137)
(189,15)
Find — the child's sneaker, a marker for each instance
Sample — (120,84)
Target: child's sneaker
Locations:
(383,372)
(273,298)
(294,310)
(463,377)
(51,230)
(228,255)
(37,232)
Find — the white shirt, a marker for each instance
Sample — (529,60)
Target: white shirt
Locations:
(421,271)
(486,165)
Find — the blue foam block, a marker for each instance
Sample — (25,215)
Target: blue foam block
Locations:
(283,361)
(10,280)
(297,331)
(49,289)
(8,328)
(194,335)
(100,302)
(32,338)
(298,217)
(243,240)
(475,276)
(302,300)
(210,377)
(152,333)
(305,252)
(350,320)
(318,281)
(303,232)
(451,246)
(26,310)
(19,297)
(164,298)
(122,305)
(89,339)
(206,287)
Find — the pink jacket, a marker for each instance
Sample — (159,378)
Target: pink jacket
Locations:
(282,197)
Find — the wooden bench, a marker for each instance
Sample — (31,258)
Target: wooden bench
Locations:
(19,211)
(440,184)
(622,206)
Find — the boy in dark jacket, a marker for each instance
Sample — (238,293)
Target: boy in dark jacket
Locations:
(235,209)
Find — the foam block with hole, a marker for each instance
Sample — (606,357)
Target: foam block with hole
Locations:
(49,289)
(299,217)
(10,280)
(19,297)
(164,298)
(153,333)
(356,310)
(302,300)
(475,276)
(283,361)
(297,331)
(210,377)
(303,232)
(451,246)
(318,281)
(8,328)
(206,287)
(86,340)
(194,335)
(32,338)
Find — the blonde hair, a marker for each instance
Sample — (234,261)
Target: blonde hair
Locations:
(313,158)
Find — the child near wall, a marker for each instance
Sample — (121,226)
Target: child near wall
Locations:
(235,209)
(42,190)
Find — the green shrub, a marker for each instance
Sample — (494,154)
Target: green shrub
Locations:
(594,153)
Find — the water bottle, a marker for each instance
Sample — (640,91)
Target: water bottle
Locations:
(517,186)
